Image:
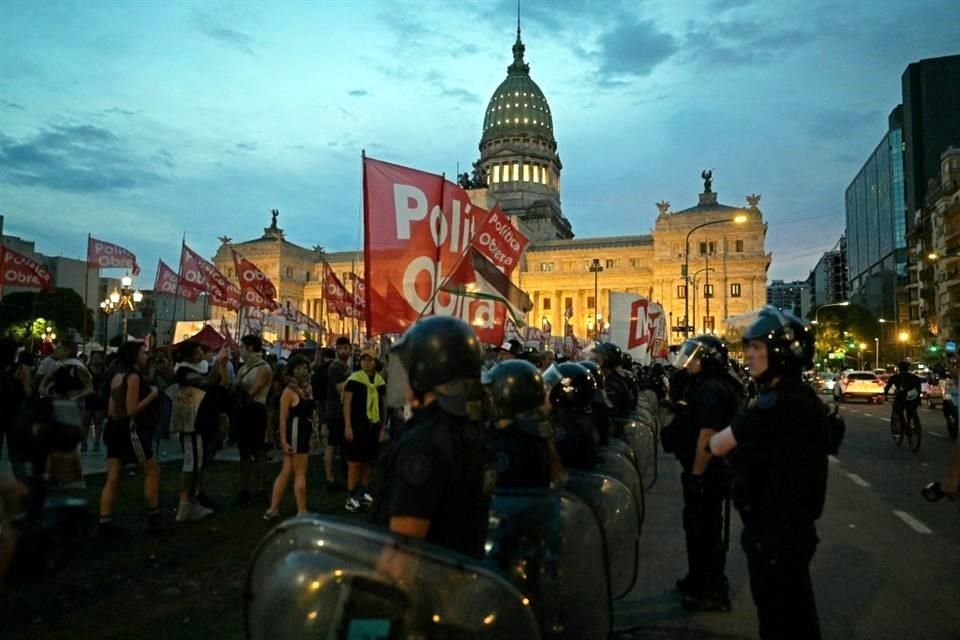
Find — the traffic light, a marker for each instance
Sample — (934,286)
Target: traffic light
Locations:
(851,345)
(934,348)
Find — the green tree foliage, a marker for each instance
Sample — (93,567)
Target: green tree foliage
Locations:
(63,309)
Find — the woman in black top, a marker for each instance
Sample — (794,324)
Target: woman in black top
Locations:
(297,415)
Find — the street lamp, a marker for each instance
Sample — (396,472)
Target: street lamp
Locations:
(876,353)
(816,315)
(862,346)
(122,300)
(903,336)
(739,219)
(595,269)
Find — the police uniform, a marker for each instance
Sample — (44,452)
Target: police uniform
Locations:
(576,438)
(442,471)
(522,454)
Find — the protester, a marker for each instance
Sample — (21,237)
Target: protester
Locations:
(15,393)
(337,373)
(250,417)
(363,412)
(319,381)
(96,402)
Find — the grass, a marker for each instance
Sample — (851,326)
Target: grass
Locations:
(185,582)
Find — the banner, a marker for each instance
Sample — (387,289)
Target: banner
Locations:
(253,299)
(21,271)
(499,241)
(200,274)
(638,326)
(231,300)
(359,291)
(416,228)
(110,256)
(339,299)
(251,277)
(167,281)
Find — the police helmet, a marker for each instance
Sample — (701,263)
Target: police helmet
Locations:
(710,350)
(516,388)
(789,340)
(611,354)
(594,370)
(569,386)
(626,361)
(437,350)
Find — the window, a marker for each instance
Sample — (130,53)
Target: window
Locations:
(609,264)
(634,263)
(708,323)
(735,290)
(708,248)
(703,248)
(739,246)
(591,302)
(516,172)
(546,266)
(496,173)
(536,173)
(708,291)
(568,305)
(546,304)
(544,175)
(681,291)
(526,172)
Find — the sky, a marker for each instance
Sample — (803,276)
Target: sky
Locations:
(139,122)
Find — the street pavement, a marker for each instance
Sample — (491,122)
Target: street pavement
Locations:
(888,565)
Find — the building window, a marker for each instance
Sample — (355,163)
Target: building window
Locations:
(735,290)
(496,173)
(526,172)
(708,248)
(591,302)
(681,291)
(536,173)
(546,266)
(516,172)
(739,246)
(703,248)
(634,263)
(546,304)
(708,324)
(545,176)
(708,291)
(609,264)
(568,306)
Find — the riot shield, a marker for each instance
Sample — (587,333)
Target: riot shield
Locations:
(639,432)
(614,463)
(648,400)
(615,508)
(549,544)
(622,447)
(321,577)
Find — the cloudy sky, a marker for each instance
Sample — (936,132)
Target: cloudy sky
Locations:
(139,121)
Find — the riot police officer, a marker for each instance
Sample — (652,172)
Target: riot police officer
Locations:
(439,477)
(570,391)
(710,403)
(522,434)
(780,447)
(620,395)
(598,406)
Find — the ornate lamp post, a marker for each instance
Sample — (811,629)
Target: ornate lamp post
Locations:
(595,269)
(740,219)
(123,299)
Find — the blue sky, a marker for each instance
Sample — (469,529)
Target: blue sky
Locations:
(138,121)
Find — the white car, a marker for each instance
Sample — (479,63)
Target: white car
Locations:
(858,384)
(828,380)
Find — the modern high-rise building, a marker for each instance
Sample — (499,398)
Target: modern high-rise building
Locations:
(828,279)
(876,225)
(789,296)
(931,94)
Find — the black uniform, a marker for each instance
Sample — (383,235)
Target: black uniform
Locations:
(576,438)
(620,393)
(522,454)
(779,490)
(711,403)
(441,470)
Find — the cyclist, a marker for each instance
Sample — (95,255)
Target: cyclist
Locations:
(907,395)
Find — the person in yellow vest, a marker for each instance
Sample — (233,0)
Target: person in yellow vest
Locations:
(364,410)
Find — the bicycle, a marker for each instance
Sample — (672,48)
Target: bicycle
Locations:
(904,421)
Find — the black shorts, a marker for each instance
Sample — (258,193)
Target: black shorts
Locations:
(251,427)
(299,433)
(365,444)
(335,432)
(126,444)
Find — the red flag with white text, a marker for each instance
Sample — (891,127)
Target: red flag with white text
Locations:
(167,282)
(251,277)
(200,274)
(499,241)
(23,271)
(230,301)
(106,255)
(416,228)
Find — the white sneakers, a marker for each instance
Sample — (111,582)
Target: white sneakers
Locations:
(192,511)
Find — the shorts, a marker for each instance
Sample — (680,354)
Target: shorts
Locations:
(299,433)
(251,429)
(365,444)
(335,432)
(125,444)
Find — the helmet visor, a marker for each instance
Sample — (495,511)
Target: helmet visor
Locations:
(689,351)
(551,377)
(399,391)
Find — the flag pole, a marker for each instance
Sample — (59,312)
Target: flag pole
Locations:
(86,289)
(176,297)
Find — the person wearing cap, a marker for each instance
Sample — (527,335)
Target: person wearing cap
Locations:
(509,350)
(363,414)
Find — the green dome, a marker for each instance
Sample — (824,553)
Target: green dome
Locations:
(518,106)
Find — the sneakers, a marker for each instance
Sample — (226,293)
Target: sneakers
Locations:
(934,492)
(352,504)
(192,511)
(270,516)
(366,499)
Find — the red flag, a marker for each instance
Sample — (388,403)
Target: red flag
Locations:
(229,301)
(251,277)
(499,241)
(359,291)
(22,271)
(336,292)
(254,299)
(200,274)
(417,226)
(110,256)
(167,282)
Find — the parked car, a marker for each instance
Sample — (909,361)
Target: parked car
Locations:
(858,384)
(828,380)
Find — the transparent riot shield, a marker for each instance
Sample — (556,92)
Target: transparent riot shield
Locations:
(622,447)
(639,432)
(648,400)
(321,577)
(615,508)
(549,544)
(613,463)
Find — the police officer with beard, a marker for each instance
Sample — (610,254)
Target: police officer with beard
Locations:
(570,391)
(780,457)
(710,403)
(438,479)
(522,433)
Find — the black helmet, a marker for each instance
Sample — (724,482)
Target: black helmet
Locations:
(789,340)
(710,350)
(626,361)
(904,366)
(612,355)
(571,386)
(439,349)
(516,388)
(594,370)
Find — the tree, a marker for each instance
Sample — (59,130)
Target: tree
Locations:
(63,309)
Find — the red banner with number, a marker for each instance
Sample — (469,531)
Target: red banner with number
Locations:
(22,271)
(417,226)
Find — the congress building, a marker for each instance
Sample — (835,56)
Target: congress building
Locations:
(568,278)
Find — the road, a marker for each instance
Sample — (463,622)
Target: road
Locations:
(888,565)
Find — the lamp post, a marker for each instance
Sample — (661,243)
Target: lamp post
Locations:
(695,291)
(108,308)
(862,346)
(123,299)
(876,353)
(740,219)
(902,337)
(595,269)
(816,314)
